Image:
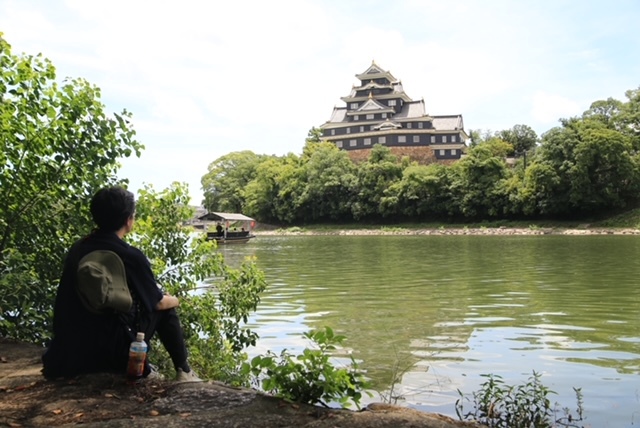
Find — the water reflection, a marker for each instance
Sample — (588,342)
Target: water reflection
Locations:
(452,308)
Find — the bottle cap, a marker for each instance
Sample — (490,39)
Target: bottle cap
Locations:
(139,337)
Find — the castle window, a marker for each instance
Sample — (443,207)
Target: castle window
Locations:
(453,139)
(416,138)
(352,143)
(367,141)
(333,132)
(371,127)
(442,152)
(444,138)
(356,117)
(384,115)
(402,139)
(348,130)
(392,103)
(433,138)
(382,140)
(420,125)
(409,125)
(339,144)
(362,129)
(354,106)
(369,116)
(454,152)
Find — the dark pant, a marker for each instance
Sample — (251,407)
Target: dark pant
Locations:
(167,324)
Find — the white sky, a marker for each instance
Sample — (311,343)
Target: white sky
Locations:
(206,78)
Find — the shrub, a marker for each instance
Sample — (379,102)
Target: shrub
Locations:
(522,406)
(310,377)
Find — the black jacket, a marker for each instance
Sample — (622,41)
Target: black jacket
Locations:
(84,342)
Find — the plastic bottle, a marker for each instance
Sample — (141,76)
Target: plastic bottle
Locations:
(137,357)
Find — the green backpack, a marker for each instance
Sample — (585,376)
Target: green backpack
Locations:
(102,283)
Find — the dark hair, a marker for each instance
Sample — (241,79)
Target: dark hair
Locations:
(111,207)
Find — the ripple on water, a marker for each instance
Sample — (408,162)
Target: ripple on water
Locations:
(449,309)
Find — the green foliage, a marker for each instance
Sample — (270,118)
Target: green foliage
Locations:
(330,182)
(581,167)
(314,135)
(498,405)
(521,137)
(273,195)
(422,193)
(223,185)
(374,178)
(585,167)
(57,147)
(212,311)
(627,219)
(477,185)
(310,377)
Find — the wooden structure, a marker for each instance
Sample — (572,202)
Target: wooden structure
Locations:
(231,228)
(378,111)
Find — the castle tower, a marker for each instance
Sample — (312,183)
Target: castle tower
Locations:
(380,112)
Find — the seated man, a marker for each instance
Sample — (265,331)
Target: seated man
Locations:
(89,342)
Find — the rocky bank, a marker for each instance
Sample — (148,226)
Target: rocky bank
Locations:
(502,231)
(106,400)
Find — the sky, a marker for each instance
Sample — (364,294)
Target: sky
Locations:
(207,78)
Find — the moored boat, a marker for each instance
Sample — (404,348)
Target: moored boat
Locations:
(231,228)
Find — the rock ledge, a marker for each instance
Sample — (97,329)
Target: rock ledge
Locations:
(105,400)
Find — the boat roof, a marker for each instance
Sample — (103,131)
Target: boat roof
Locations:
(225,217)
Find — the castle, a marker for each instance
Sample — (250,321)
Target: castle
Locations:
(380,112)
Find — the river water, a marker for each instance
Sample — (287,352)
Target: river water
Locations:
(437,312)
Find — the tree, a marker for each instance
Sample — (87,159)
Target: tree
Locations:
(476,188)
(422,193)
(375,176)
(224,183)
(274,194)
(630,117)
(583,167)
(330,180)
(57,146)
(314,135)
(478,136)
(606,111)
(521,137)
(216,300)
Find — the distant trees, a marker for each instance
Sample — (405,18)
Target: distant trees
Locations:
(225,182)
(585,166)
(521,137)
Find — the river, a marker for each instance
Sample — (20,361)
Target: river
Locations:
(440,311)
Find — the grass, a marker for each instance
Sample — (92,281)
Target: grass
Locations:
(627,219)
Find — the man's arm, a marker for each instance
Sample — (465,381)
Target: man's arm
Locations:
(167,302)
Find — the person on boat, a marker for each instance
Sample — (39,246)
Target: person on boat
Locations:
(88,342)
(219,229)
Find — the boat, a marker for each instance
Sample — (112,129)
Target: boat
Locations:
(231,228)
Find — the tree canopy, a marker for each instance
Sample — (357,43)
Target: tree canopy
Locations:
(586,166)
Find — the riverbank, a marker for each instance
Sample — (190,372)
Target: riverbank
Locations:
(500,231)
(105,400)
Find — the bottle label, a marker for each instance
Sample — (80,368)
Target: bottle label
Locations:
(135,369)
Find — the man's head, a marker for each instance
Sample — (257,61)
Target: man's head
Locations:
(112,208)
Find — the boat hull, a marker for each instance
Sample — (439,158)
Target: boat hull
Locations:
(230,239)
